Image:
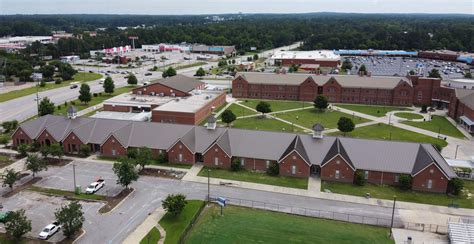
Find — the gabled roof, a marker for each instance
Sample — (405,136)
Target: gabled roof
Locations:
(338,149)
(468,100)
(178,82)
(224,143)
(33,128)
(439,160)
(296,146)
(318,127)
(422,160)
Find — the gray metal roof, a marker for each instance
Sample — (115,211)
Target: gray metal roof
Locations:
(468,100)
(318,127)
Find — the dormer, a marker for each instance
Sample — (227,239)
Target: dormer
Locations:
(318,131)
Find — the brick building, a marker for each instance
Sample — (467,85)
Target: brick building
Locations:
(461,108)
(297,155)
(446,55)
(377,90)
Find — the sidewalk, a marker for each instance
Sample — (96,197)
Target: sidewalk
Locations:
(142,230)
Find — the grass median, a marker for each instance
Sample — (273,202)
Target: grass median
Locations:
(277,105)
(67,194)
(438,124)
(256,177)
(377,111)
(177,226)
(308,117)
(153,236)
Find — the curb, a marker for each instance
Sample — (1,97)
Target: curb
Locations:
(118,205)
(79,237)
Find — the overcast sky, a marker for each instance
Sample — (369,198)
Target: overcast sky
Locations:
(176,7)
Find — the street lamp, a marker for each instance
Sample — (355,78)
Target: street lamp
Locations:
(74,176)
(456,153)
(393,213)
(208,187)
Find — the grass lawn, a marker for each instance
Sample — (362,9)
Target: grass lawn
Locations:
(68,194)
(175,226)
(5,161)
(95,100)
(152,237)
(246,225)
(81,76)
(185,66)
(387,192)
(259,123)
(437,123)
(382,131)
(408,115)
(308,117)
(277,105)
(239,111)
(256,177)
(377,111)
(175,165)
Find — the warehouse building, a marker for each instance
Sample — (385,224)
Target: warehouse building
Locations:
(297,155)
(322,58)
(218,50)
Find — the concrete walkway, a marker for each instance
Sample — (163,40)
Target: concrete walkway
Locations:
(142,230)
(401,236)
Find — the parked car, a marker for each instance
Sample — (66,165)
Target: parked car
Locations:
(49,230)
(148,74)
(3,216)
(74,86)
(101,81)
(95,186)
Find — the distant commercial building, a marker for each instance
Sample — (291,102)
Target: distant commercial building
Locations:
(69,59)
(322,58)
(111,51)
(218,50)
(21,42)
(163,47)
(446,55)
(62,35)
(460,83)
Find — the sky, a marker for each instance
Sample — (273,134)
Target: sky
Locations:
(178,7)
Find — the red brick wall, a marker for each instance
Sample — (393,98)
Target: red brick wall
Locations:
(439,181)
(438,56)
(240,87)
(180,148)
(116,108)
(71,140)
(403,95)
(289,62)
(111,144)
(377,177)
(223,159)
(20,135)
(210,107)
(255,164)
(294,159)
(424,89)
(308,90)
(44,136)
(463,110)
(328,170)
(158,88)
(332,90)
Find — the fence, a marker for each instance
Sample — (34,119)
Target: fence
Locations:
(325,214)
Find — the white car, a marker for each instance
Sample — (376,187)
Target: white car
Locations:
(101,81)
(95,186)
(49,230)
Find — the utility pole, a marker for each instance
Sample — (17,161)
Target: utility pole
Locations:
(74,175)
(208,187)
(393,213)
(456,153)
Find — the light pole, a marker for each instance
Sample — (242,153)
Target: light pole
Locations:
(393,213)
(208,187)
(456,153)
(74,176)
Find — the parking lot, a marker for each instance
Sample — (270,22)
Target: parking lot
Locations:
(390,66)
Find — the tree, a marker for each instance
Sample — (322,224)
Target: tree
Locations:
(35,164)
(71,218)
(222,63)
(47,71)
(10,178)
(273,168)
(144,156)
(17,224)
(255,57)
(44,152)
(161,158)
(411,72)
(46,107)
(174,204)
(359,178)
(345,125)
(424,108)
(85,151)
(455,186)
(405,182)
(263,107)
(124,169)
(109,85)
(23,150)
(4,140)
(468,75)
(346,64)
(235,165)
(56,150)
(200,72)
(85,93)
(25,75)
(131,80)
(9,126)
(363,70)
(434,73)
(228,117)
(67,71)
(321,102)
(169,72)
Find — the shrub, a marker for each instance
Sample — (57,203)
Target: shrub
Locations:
(59,107)
(73,103)
(42,83)
(405,182)
(273,169)
(359,178)
(455,186)
(85,151)
(95,94)
(424,108)
(58,81)
(161,158)
(23,150)
(235,165)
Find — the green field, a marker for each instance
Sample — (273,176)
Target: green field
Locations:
(79,77)
(437,124)
(256,177)
(277,105)
(382,131)
(68,194)
(185,66)
(308,117)
(175,226)
(269,124)
(408,116)
(239,111)
(153,236)
(245,225)
(377,111)
(95,100)
(387,192)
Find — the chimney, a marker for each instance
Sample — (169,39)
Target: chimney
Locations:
(71,112)
(211,122)
(318,131)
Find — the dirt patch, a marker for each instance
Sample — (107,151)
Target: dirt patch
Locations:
(56,162)
(73,238)
(112,202)
(22,187)
(170,174)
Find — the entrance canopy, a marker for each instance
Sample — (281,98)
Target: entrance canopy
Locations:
(466,120)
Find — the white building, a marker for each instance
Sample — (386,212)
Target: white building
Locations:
(323,58)
(460,83)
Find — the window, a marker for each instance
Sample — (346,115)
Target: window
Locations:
(216,161)
(180,157)
(397,177)
(293,169)
(242,161)
(430,184)
(114,153)
(180,146)
(366,174)
(431,171)
(337,175)
(268,163)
